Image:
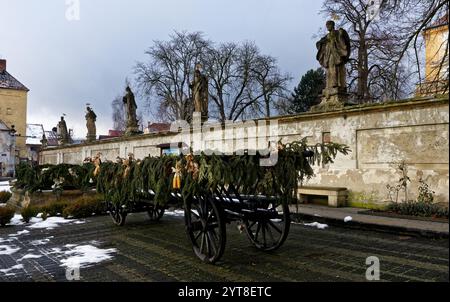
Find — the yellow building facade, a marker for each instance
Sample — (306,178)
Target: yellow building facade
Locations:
(436,59)
(13,107)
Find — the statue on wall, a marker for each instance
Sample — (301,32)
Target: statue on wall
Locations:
(200,93)
(131,107)
(333,53)
(44,141)
(62,132)
(91,118)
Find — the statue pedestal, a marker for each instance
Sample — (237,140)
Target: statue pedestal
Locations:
(131,131)
(91,138)
(332,99)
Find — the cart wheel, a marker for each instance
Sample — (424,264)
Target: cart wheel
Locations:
(118,215)
(206,229)
(156,213)
(267,230)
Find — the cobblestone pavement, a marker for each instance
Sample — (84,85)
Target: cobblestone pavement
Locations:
(149,251)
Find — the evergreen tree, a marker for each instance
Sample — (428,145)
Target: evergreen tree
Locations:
(308,91)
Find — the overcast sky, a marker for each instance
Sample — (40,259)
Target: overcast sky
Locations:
(67,64)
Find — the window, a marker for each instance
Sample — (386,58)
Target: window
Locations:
(326,137)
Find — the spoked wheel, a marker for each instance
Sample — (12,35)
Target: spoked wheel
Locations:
(267,228)
(118,215)
(156,213)
(206,229)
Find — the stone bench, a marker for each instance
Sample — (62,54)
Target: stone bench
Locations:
(337,197)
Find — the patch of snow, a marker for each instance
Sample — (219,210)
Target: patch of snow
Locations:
(348,219)
(79,222)
(86,255)
(5,186)
(317,225)
(20,233)
(55,250)
(36,220)
(5,240)
(42,241)
(8,250)
(176,213)
(16,220)
(29,256)
(49,224)
(14,268)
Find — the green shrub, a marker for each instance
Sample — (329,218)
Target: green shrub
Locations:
(420,208)
(5,196)
(426,195)
(54,208)
(84,208)
(6,214)
(30,212)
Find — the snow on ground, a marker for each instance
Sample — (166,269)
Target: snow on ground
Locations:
(16,220)
(49,224)
(14,268)
(4,186)
(8,249)
(29,256)
(320,226)
(71,255)
(176,213)
(24,232)
(348,219)
(42,241)
(85,255)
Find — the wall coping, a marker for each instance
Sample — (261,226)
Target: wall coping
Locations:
(350,110)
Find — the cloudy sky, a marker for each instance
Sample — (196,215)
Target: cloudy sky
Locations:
(67,64)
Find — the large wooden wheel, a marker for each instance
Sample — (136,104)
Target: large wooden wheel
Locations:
(205,226)
(268,226)
(118,214)
(156,213)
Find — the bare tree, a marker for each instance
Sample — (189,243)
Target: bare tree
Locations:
(413,18)
(164,80)
(118,116)
(244,83)
(385,63)
(271,83)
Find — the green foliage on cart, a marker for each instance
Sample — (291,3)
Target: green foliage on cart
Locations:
(131,181)
(34,178)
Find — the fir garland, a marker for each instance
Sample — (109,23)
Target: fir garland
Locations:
(130,181)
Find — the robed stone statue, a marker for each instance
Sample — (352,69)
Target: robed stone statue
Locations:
(200,93)
(333,53)
(131,107)
(62,132)
(91,118)
(44,141)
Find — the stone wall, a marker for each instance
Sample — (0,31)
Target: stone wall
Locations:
(415,131)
